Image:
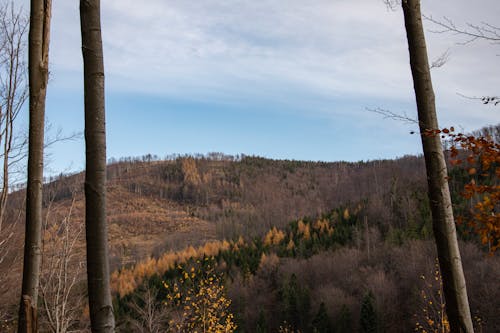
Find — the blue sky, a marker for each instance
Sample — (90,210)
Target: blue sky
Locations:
(282,79)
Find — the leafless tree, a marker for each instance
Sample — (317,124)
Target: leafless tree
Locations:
(13,89)
(60,272)
(38,64)
(149,315)
(101,307)
(439,194)
(9,258)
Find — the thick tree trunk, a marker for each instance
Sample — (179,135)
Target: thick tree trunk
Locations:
(38,77)
(457,304)
(101,308)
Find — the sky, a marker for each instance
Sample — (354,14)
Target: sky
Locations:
(285,79)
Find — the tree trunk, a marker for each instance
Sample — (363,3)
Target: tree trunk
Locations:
(101,308)
(38,76)
(457,304)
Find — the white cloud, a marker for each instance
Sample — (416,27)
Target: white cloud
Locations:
(279,50)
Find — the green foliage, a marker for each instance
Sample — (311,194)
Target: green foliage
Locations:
(246,258)
(296,303)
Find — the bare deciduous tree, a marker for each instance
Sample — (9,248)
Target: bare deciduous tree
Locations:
(13,88)
(101,307)
(60,272)
(149,315)
(450,261)
(38,67)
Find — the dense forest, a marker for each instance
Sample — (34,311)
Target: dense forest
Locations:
(309,246)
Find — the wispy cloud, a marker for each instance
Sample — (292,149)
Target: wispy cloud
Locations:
(328,58)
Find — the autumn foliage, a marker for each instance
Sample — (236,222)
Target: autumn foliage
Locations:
(127,280)
(433,318)
(481,158)
(433,312)
(198,299)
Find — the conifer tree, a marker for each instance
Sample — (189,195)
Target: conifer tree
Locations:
(261,323)
(296,303)
(368,316)
(344,322)
(321,322)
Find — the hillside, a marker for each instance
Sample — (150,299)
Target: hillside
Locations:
(157,207)
(205,197)
(247,195)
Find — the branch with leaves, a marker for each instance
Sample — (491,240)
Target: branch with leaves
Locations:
(480,156)
(198,297)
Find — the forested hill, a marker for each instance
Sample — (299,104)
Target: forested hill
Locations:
(228,196)
(155,205)
(246,195)
(370,211)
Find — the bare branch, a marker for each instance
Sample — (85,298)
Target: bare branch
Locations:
(13,88)
(392,4)
(387,114)
(471,33)
(60,271)
(441,60)
(492,100)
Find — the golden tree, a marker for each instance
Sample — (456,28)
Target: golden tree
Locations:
(433,317)
(198,300)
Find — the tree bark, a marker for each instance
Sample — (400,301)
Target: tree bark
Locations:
(101,308)
(38,54)
(455,291)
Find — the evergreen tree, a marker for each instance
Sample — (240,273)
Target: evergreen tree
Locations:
(321,322)
(296,303)
(261,323)
(291,305)
(368,315)
(344,322)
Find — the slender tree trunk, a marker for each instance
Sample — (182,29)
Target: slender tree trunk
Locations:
(457,304)
(101,308)
(38,76)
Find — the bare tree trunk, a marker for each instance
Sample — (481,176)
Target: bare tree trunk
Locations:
(457,304)
(101,308)
(38,76)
